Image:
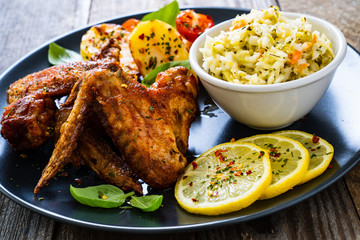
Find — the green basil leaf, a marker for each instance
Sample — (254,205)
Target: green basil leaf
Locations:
(59,55)
(147,203)
(149,79)
(167,14)
(93,196)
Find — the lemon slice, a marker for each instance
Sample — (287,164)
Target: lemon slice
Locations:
(320,152)
(226,178)
(289,162)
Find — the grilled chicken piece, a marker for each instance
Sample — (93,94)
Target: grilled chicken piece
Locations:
(53,81)
(74,140)
(32,127)
(180,117)
(97,155)
(28,122)
(150,126)
(94,152)
(59,80)
(29,129)
(69,134)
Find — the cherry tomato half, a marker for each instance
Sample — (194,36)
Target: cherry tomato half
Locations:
(191,24)
(130,24)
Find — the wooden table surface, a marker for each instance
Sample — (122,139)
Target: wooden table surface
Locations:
(330,214)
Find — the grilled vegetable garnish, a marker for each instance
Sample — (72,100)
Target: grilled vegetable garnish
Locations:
(191,24)
(98,36)
(153,43)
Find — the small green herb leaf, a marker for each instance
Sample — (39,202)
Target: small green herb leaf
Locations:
(59,55)
(105,196)
(167,14)
(149,79)
(148,203)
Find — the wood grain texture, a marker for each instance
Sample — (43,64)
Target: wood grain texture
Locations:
(343,14)
(17,222)
(26,25)
(330,214)
(107,9)
(352,179)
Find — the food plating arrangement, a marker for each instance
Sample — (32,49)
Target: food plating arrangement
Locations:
(125,104)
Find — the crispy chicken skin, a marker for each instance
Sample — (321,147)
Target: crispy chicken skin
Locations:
(94,152)
(180,117)
(27,123)
(53,81)
(97,155)
(34,125)
(75,140)
(69,135)
(150,126)
(32,115)
(59,80)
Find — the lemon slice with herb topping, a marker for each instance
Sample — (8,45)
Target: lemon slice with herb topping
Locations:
(320,152)
(289,162)
(226,178)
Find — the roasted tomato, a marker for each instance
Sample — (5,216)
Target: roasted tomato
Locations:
(191,24)
(130,24)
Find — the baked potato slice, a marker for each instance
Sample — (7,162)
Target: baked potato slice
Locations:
(153,43)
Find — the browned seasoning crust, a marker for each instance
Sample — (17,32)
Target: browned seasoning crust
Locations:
(95,153)
(179,91)
(32,115)
(53,81)
(36,122)
(27,123)
(69,134)
(150,126)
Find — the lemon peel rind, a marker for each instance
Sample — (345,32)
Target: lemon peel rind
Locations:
(232,204)
(320,169)
(286,183)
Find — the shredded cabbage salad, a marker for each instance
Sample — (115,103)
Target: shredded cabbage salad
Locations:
(265,47)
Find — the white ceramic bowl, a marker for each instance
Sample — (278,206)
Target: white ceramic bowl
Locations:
(270,106)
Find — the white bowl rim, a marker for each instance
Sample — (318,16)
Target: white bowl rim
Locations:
(204,76)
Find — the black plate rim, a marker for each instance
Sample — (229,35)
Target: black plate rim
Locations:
(167,229)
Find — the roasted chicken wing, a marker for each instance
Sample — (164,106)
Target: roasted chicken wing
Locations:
(53,81)
(93,151)
(69,135)
(150,126)
(27,123)
(74,139)
(97,155)
(32,108)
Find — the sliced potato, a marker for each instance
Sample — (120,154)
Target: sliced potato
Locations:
(98,35)
(153,43)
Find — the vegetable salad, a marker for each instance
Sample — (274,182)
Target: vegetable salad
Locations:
(265,47)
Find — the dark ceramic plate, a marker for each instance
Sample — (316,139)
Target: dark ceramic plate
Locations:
(335,118)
